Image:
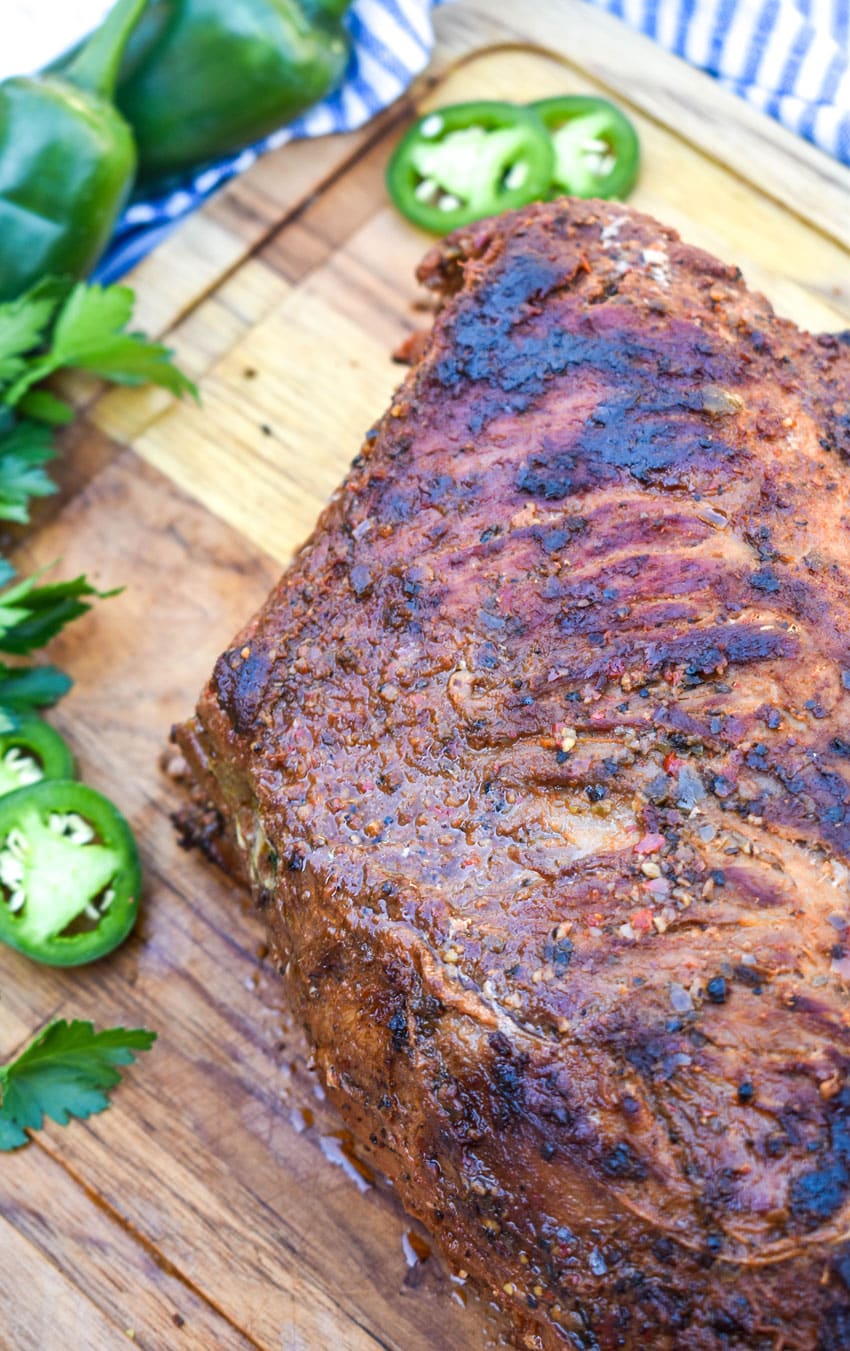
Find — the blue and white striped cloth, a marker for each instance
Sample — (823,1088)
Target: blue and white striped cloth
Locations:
(790,58)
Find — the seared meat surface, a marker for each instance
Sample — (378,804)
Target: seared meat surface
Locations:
(537,761)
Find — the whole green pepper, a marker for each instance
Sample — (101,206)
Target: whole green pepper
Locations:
(204,78)
(67,161)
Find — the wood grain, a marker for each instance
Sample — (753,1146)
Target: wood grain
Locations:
(213,1188)
(214,242)
(36,1291)
(76,1233)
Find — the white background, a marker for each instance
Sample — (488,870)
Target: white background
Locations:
(33,32)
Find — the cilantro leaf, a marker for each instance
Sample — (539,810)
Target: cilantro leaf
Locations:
(24,449)
(89,335)
(66,1071)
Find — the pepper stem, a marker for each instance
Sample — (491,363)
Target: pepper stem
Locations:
(95,66)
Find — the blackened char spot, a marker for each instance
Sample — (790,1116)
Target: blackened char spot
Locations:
(622,1162)
(735,1319)
(494,340)
(240,685)
(507,1080)
(812,794)
(652,442)
(530,323)
(668,1306)
(709,648)
(529,276)
(398,1027)
(547,474)
(816,1195)
(702,652)
(553,540)
(834,1333)
(559,952)
(658,443)
(765,580)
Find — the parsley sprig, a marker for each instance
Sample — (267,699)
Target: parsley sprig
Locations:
(66,1071)
(51,328)
(30,615)
(55,327)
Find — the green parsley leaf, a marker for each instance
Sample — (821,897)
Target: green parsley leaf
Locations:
(66,1071)
(30,615)
(89,336)
(44,406)
(56,327)
(24,687)
(24,323)
(129,359)
(24,449)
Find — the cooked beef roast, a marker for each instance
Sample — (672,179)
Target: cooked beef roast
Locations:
(537,761)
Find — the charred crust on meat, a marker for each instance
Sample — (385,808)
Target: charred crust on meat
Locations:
(547,728)
(240,680)
(815,1195)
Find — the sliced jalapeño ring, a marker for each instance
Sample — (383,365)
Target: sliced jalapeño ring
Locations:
(470,160)
(70,878)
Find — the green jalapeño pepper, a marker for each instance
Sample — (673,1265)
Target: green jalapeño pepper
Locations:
(204,78)
(597,152)
(67,161)
(467,161)
(32,752)
(69,873)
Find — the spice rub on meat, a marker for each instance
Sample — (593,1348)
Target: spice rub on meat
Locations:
(537,761)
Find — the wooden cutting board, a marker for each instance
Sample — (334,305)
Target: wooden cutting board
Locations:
(218,1203)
